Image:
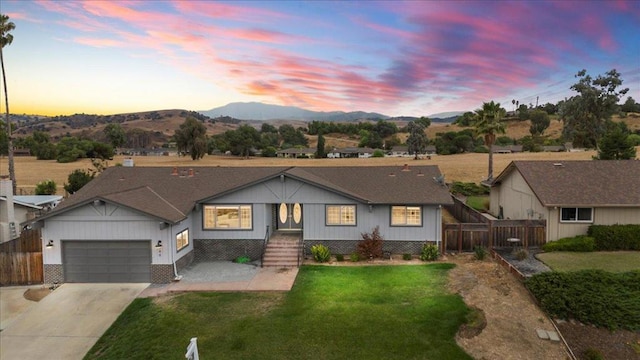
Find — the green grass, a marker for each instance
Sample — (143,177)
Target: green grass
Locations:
(383,312)
(614,261)
(478,202)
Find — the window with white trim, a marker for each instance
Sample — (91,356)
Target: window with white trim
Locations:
(182,239)
(406,216)
(576,214)
(341,215)
(227,217)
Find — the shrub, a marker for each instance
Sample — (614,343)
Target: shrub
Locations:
(77,179)
(615,237)
(429,252)
(522,254)
(320,253)
(242,259)
(590,296)
(354,257)
(371,244)
(46,187)
(592,354)
(580,243)
(378,153)
(407,257)
(340,257)
(468,188)
(480,252)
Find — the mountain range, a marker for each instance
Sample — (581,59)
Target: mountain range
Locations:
(265,112)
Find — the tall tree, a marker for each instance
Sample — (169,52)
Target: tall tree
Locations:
(487,124)
(585,115)
(192,138)
(417,140)
(6,38)
(116,134)
(615,144)
(320,147)
(539,122)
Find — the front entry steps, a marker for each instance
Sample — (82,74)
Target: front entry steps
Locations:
(282,249)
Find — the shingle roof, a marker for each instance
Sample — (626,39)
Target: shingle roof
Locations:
(156,192)
(605,183)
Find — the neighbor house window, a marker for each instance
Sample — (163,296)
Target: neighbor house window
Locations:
(406,216)
(577,215)
(182,239)
(227,217)
(341,214)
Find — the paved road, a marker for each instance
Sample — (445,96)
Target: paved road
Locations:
(67,322)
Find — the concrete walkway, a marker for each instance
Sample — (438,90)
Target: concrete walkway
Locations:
(227,276)
(66,323)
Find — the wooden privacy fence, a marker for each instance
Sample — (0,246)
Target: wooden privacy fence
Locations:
(464,237)
(21,260)
(23,268)
(464,213)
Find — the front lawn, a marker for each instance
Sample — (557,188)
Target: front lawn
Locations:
(368,312)
(614,261)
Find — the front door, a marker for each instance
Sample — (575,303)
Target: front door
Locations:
(289,216)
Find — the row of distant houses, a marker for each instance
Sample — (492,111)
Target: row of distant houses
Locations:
(402,151)
(350,152)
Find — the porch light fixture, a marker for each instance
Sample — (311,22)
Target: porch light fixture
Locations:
(159,244)
(49,244)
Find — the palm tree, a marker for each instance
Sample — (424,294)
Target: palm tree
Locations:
(6,39)
(488,124)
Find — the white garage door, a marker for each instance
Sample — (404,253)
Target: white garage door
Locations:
(107,261)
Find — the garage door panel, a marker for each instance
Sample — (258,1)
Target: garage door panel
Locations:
(107,261)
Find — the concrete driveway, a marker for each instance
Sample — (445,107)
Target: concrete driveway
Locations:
(67,322)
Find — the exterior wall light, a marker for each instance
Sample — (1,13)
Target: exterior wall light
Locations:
(49,244)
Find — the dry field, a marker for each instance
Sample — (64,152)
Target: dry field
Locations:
(462,167)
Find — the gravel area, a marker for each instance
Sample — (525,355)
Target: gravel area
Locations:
(529,266)
(219,271)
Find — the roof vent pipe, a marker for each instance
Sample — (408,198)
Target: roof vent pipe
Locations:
(406,167)
(174,171)
(191,173)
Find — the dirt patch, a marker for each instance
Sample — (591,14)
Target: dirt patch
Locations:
(611,344)
(511,315)
(36,294)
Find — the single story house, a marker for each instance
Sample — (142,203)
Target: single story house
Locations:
(297,153)
(403,151)
(569,195)
(351,152)
(145,224)
(506,149)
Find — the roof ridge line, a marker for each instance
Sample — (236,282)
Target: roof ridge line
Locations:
(165,200)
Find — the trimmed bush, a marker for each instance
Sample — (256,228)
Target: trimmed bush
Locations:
(339,257)
(320,253)
(354,257)
(469,188)
(615,237)
(594,297)
(407,257)
(580,243)
(242,259)
(429,252)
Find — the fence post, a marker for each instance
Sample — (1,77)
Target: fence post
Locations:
(490,234)
(459,237)
(526,233)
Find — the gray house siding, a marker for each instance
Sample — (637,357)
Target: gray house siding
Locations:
(228,244)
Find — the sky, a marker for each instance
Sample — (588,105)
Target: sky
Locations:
(414,58)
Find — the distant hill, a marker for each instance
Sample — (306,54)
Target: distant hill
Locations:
(264,112)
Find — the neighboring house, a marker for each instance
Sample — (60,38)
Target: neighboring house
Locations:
(12,213)
(297,153)
(507,149)
(570,195)
(553,148)
(144,224)
(355,152)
